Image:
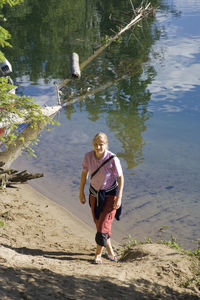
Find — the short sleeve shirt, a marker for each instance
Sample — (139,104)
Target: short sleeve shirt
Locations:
(107,174)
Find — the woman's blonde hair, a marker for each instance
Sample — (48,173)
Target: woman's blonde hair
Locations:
(101,136)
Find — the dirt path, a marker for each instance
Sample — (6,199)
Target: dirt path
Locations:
(46,253)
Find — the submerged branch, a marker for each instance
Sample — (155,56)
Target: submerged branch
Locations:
(92,92)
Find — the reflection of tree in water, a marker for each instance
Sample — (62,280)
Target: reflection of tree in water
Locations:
(128,123)
(48,31)
(124,104)
(45,33)
(130,114)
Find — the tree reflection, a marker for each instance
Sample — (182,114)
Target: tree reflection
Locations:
(46,33)
(125,103)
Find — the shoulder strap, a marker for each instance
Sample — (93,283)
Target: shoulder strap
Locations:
(94,173)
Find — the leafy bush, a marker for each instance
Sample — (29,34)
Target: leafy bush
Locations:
(11,104)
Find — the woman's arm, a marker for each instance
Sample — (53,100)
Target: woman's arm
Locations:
(84,175)
(118,200)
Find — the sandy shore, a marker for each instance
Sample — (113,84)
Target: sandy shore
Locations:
(47,253)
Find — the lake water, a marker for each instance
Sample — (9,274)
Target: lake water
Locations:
(150,110)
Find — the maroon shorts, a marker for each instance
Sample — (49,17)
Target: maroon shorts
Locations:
(104,223)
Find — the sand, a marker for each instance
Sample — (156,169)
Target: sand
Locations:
(47,253)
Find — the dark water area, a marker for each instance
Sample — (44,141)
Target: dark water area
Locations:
(148,105)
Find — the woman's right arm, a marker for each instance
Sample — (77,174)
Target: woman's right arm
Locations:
(84,175)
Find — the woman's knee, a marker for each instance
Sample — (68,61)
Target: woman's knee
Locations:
(101,238)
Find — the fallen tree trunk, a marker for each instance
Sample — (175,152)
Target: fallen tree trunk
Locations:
(10,177)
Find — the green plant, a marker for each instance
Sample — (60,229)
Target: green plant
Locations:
(11,104)
(106,39)
(19,106)
(128,244)
(2,223)
(131,241)
(172,243)
(148,240)
(196,253)
(4,34)
(118,41)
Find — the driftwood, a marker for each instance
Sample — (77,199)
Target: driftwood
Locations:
(10,177)
(139,14)
(75,68)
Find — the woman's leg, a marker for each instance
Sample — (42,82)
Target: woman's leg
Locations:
(109,248)
(98,254)
(99,248)
(107,216)
(103,225)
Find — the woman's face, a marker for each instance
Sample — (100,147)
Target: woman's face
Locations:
(99,148)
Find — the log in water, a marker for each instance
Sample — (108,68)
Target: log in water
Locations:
(75,68)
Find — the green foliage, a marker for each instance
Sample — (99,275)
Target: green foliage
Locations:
(10,2)
(42,26)
(30,150)
(19,106)
(106,39)
(2,223)
(197,253)
(195,266)
(131,242)
(4,34)
(148,240)
(172,243)
(11,104)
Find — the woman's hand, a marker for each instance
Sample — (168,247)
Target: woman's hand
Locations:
(117,202)
(82,198)
(84,175)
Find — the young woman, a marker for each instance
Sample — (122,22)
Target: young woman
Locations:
(106,187)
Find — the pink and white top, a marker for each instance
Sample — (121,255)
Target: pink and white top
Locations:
(107,174)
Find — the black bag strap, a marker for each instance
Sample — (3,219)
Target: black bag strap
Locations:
(107,160)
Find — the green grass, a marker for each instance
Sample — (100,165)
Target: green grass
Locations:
(195,254)
(2,223)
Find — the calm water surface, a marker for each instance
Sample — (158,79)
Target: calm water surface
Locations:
(151,116)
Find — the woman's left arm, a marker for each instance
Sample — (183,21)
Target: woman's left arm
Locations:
(118,200)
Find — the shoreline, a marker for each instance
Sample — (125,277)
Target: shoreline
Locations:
(65,197)
(142,217)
